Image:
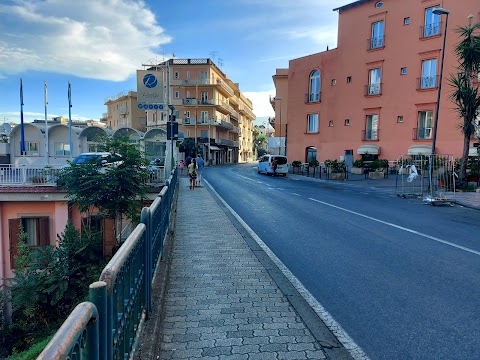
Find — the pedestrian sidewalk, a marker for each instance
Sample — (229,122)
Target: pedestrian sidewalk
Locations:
(222,301)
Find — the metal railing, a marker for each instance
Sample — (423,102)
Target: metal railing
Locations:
(312,98)
(429,30)
(373,89)
(422,134)
(427,82)
(376,43)
(109,325)
(370,135)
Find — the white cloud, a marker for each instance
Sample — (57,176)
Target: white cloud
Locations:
(105,39)
(261,103)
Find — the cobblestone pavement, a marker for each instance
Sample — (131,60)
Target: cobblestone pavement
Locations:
(221,303)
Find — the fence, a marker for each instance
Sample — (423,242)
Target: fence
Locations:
(48,175)
(108,326)
(431,177)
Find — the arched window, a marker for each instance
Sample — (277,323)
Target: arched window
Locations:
(314,86)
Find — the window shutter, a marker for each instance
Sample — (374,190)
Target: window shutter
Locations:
(14,233)
(43,231)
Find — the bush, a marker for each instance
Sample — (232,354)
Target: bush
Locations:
(378,165)
(313,163)
(358,163)
(335,166)
(296,163)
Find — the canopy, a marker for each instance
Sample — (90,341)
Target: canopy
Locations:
(368,149)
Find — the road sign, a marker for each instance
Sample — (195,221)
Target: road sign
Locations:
(143,106)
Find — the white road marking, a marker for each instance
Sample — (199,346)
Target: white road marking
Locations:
(400,227)
(296,194)
(350,345)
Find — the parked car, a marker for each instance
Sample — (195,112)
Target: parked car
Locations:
(105,159)
(265,164)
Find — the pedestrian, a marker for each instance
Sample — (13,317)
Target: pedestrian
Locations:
(192,173)
(188,160)
(182,166)
(274,165)
(200,164)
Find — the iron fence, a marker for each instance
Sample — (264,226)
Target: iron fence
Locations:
(108,326)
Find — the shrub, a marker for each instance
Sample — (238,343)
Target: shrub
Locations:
(296,163)
(335,166)
(358,163)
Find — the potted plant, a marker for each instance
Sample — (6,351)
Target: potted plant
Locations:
(313,163)
(336,169)
(296,164)
(377,169)
(357,167)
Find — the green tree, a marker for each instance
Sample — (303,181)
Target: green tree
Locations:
(115,191)
(259,140)
(465,93)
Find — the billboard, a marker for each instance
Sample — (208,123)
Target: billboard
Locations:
(150,87)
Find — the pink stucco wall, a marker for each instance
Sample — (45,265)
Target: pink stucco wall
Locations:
(399,95)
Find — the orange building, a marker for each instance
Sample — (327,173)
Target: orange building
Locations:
(375,95)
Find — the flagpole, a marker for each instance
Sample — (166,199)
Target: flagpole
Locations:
(46,121)
(70,118)
(22,130)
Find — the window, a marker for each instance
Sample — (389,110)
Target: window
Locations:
(377,35)
(314,87)
(176,75)
(312,123)
(188,94)
(204,97)
(374,78)
(204,117)
(330,123)
(400,119)
(156,149)
(187,114)
(93,147)
(432,23)
(424,130)
(188,74)
(334,82)
(406,21)
(203,77)
(429,72)
(379,4)
(62,149)
(311,153)
(177,94)
(349,79)
(188,133)
(403,71)
(37,230)
(371,127)
(347,122)
(204,133)
(31,148)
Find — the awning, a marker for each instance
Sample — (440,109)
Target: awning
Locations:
(368,149)
(419,150)
(473,151)
(214,148)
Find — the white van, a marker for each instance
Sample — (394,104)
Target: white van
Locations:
(265,164)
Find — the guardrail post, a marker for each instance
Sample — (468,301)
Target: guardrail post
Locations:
(145,218)
(98,296)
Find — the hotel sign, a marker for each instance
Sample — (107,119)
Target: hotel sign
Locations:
(150,87)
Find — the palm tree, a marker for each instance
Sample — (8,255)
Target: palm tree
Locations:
(465,92)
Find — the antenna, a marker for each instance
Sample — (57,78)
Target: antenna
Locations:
(220,63)
(212,54)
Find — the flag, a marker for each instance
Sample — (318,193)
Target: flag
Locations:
(70,117)
(22,131)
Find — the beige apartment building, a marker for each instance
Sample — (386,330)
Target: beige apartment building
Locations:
(209,108)
(123,112)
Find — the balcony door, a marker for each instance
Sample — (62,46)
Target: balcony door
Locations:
(429,73)
(432,23)
(374,81)
(377,35)
(425,124)
(371,127)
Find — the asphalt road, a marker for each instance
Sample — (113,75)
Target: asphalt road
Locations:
(401,278)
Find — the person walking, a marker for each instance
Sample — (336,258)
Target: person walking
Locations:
(200,165)
(188,160)
(192,173)
(274,165)
(182,166)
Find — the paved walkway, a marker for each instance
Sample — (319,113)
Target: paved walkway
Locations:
(221,300)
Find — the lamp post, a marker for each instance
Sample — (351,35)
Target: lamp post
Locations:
(280,129)
(439,11)
(172,109)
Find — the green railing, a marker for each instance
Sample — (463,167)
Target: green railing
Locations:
(109,325)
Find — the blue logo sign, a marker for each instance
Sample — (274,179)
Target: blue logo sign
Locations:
(150,81)
(143,106)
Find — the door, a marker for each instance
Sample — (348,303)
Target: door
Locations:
(349,160)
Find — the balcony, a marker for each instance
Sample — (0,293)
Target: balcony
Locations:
(427,83)
(189,101)
(376,43)
(123,109)
(188,121)
(373,89)
(208,102)
(223,105)
(312,98)
(370,135)
(430,30)
(228,142)
(226,125)
(224,88)
(422,134)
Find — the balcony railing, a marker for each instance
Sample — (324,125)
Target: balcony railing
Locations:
(376,43)
(370,135)
(312,98)
(422,134)
(188,121)
(189,101)
(430,30)
(427,82)
(373,89)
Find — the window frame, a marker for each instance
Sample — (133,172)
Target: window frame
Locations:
(428,81)
(312,123)
(431,22)
(28,148)
(377,35)
(426,120)
(371,126)
(62,151)
(314,86)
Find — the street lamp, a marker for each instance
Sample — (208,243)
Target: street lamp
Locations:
(280,131)
(439,11)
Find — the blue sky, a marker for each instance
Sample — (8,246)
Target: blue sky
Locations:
(98,45)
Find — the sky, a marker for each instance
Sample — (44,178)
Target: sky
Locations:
(97,46)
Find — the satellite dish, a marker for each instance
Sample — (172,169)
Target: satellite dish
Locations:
(6,127)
